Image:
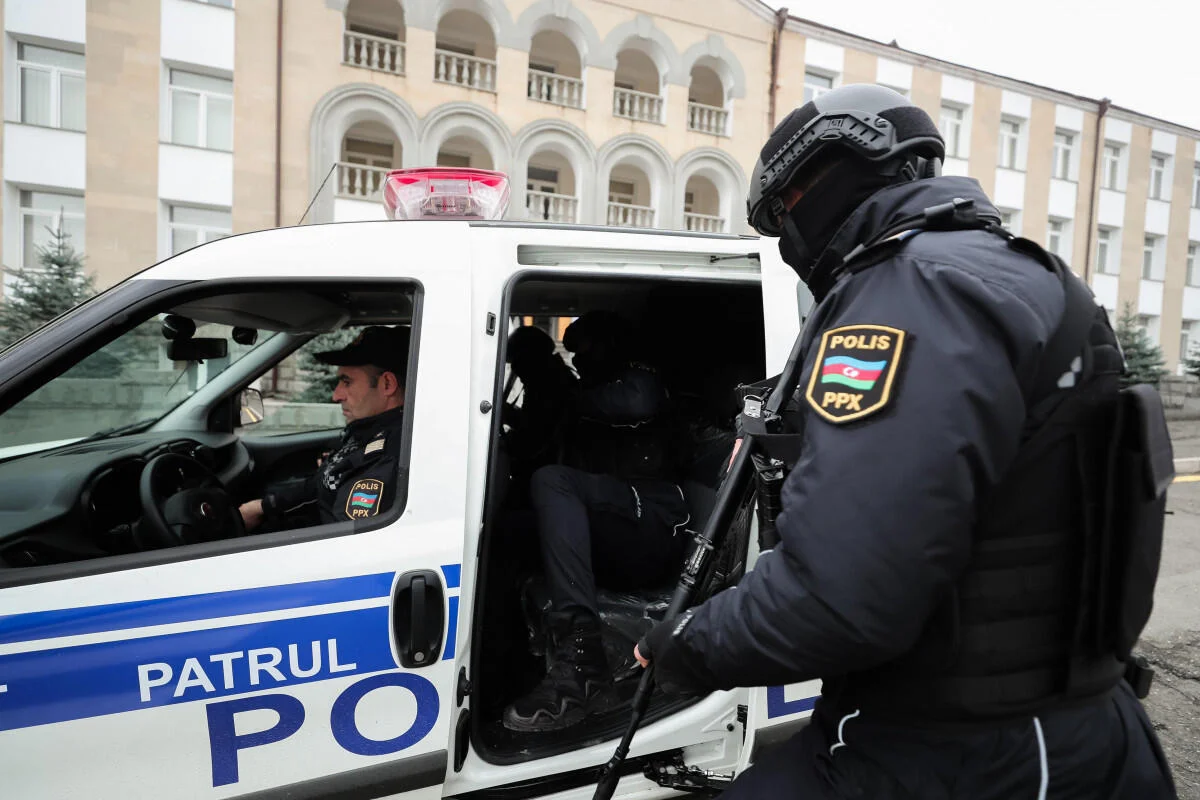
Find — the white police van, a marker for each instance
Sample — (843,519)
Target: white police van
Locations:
(149,648)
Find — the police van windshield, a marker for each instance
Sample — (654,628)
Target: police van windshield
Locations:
(125,385)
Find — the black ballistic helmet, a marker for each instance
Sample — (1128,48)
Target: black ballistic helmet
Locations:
(863,121)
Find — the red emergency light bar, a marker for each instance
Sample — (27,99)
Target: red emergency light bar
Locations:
(445,193)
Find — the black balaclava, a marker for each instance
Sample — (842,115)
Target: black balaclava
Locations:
(823,208)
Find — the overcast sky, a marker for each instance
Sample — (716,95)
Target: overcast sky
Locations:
(1142,54)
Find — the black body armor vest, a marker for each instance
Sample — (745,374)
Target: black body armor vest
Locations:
(1066,547)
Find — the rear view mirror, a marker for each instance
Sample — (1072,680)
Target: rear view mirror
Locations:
(252,410)
(197,349)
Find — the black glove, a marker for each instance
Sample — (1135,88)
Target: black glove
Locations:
(677,669)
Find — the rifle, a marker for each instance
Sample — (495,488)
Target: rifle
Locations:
(729,498)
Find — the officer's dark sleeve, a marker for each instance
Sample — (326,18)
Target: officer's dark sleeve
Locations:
(636,396)
(878,512)
(290,497)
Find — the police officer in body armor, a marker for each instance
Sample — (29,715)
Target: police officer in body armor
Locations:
(941,523)
(609,512)
(358,480)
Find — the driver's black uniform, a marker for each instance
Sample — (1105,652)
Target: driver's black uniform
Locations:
(356,481)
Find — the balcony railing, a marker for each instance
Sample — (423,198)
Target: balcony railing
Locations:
(359,182)
(637,105)
(707,119)
(469,71)
(373,52)
(626,215)
(703,223)
(560,90)
(551,207)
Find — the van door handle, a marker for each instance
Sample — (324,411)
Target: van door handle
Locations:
(418,617)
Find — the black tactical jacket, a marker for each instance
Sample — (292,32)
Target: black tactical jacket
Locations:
(356,481)
(914,394)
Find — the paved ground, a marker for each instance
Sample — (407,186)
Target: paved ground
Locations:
(1172,638)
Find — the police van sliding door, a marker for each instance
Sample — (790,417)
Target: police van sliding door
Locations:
(298,669)
(776,712)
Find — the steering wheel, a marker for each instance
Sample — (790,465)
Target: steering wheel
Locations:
(184,503)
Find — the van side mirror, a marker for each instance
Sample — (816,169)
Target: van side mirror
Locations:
(250,401)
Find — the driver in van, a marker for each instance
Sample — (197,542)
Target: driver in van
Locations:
(609,511)
(358,480)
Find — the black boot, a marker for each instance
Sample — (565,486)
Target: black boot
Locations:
(577,684)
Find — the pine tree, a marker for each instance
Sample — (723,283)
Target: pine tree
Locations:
(321,378)
(1144,361)
(37,296)
(1191,362)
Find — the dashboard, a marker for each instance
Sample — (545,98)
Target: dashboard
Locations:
(82,500)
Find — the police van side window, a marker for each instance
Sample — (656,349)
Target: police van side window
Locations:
(298,392)
(134,454)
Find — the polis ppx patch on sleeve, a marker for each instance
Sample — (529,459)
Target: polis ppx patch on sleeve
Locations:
(364,498)
(854,371)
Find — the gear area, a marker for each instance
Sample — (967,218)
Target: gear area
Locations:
(703,340)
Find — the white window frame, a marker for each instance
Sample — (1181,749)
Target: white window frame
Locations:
(204,233)
(1190,277)
(956,119)
(1105,242)
(811,91)
(1056,232)
(1010,143)
(56,76)
(1158,175)
(1196,185)
(202,120)
(52,219)
(1111,177)
(1151,247)
(1063,165)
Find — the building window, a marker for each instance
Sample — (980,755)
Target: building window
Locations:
(1010,137)
(952,124)
(1105,262)
(221,3)
(201,110)
(43,212)
(1192,278)
(52,87)
(620,192)
(188,227)
(541,179)
(1158,172)
(1196,185)
(1056,236)
(815,85)
(1152,265)
(1064,145)
(1112,167)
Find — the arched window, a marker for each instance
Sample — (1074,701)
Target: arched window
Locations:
(374,35)
(465,51)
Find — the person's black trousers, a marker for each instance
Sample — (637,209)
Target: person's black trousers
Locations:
(624,535)
(1106,750)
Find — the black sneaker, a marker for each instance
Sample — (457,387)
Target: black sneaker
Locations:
(577,684)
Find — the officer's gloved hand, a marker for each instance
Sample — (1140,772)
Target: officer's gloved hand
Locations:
(677,669)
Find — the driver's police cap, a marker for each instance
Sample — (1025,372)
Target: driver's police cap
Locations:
(376,346)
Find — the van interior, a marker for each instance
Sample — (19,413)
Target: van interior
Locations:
(704,339)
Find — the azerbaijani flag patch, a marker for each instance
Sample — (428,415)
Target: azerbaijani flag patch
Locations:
(364,498)
(854,371)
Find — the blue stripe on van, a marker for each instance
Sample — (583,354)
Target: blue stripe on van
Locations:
(165,610)
(68,683)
